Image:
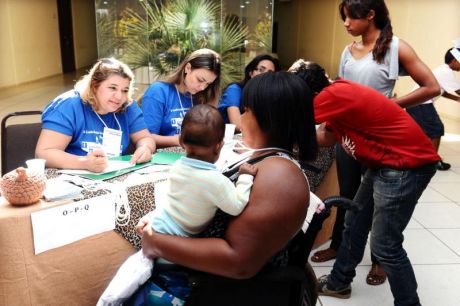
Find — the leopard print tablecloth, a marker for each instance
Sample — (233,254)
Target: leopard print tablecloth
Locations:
(323,162)
(141,197)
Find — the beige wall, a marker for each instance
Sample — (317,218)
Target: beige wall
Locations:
(29,39)
(313,30)
(84,31)
(286,15)
(30,50)
(429,27)
(7,71)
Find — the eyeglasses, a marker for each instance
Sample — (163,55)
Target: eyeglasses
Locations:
(261,69)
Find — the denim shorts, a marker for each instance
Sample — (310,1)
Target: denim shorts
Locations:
(427,117)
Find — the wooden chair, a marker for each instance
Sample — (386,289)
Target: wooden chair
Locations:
(18,140)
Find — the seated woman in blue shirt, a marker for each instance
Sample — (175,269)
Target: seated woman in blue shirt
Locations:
(195,81)
(229,105)
(95,120)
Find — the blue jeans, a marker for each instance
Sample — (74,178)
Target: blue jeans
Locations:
(349,172)
(386,201)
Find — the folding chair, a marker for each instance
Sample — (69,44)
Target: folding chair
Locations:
(18,140)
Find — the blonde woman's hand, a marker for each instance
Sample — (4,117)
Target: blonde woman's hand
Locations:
(96,161)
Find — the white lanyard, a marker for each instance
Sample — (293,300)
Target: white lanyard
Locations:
(180,102)
(119,126)
(111,138)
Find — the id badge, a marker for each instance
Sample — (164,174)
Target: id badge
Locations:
(111,142)
(93,146)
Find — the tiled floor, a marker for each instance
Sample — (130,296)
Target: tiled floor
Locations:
(432,237)
(432,241)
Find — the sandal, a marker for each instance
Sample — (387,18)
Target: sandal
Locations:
(324,255)
(376,275)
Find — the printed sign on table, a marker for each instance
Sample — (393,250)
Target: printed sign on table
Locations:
(68,223)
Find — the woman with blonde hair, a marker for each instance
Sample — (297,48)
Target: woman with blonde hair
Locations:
(95,120)
(195,81)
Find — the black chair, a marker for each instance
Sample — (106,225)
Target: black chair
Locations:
(18,140)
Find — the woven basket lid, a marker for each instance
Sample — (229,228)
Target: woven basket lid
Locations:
(22,187)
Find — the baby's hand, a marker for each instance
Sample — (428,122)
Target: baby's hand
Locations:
(248,169)
(143,222)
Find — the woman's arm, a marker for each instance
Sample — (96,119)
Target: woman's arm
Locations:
(451,96)
(51,146)
(230,103)
(234,116)
(324,136)
(274,214)
(145,146)
(420,73)
(165,141)
(156,106)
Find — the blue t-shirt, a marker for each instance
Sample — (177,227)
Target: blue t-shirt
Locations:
(164,109)
(231,97)
(68,115)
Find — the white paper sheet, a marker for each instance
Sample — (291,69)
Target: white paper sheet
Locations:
(315,202)
(227,155)
(68,223)
(161,193)
(113,165)
(58,189)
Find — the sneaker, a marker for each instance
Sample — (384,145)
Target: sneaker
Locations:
(442,166)
(322,289)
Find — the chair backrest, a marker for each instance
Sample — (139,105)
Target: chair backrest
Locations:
(18,141)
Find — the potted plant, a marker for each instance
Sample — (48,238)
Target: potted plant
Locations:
(157,41)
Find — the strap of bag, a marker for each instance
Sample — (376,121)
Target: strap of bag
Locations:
(232,172)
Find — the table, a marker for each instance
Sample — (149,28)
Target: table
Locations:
(74,274)
(77,274)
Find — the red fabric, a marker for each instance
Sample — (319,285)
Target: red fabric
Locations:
(372,128)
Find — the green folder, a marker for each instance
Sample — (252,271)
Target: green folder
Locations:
(159,158)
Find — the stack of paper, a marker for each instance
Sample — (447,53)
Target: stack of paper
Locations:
(113,165)
(57,189)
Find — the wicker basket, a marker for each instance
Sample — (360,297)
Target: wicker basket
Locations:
(21,187)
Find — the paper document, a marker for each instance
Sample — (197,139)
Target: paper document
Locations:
(113,165)
(120,165)
(227,155)
(68,223)
(58,189)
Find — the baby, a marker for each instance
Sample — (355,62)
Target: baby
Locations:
(196,190)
